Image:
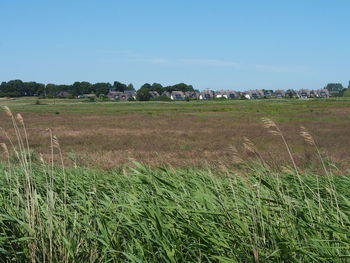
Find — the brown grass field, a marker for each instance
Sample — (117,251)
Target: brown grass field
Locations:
(110,135)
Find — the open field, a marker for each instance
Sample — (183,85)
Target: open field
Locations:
(197,133)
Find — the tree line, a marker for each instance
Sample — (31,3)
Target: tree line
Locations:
(19,88)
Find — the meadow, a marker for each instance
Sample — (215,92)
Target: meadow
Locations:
(175,182)
(183,134)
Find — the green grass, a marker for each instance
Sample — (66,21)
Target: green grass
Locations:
(281,108)
(145,214)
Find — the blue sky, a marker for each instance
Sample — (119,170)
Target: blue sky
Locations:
(236,44)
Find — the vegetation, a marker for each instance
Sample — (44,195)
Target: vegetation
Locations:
(18,88)
(335,89)
(183,134)
(159,215)
(250,213)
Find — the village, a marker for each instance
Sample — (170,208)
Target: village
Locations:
(129,95)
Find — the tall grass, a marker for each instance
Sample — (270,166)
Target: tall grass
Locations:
(142,214)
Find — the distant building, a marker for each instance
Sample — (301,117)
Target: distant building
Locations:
(320,93)
(227,94)
(304,94)
(267,93)
(178,95)
(254,94)
(192,94)
(114,95)
(279,94)
(128,94)
(206,95)
(118,95)
(64,94)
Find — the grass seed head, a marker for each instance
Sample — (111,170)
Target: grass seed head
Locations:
(7,111)
(249,145)
(5,149)
(307,136)
(20,118)
(268,123)
(271,126)
(235,154)
(41,158)
(55,142)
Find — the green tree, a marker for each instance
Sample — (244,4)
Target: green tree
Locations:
(143,93)
(118,86)
(130,87)
(157,87)
(335,89)
(101,88)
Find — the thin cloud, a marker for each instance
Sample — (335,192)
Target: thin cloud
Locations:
(209,62)
(281,69)
(134,57)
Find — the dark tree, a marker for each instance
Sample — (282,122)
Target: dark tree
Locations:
(118,86)
(157,87)
(130,87)
(143,93)
(101,88)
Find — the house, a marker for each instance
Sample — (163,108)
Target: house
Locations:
(128,94)
(177,95)
(206,95)
(320,93)
(166,94)
(220,94)
(304,94)
(118,95)
(279,94)
(232,94)
(64,94)
(154,94)
(192,95)
(267,93)
(114,95)
(254,94)
(227,94)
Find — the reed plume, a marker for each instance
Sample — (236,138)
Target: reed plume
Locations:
(274,130)
(5,150)
(309,139)
(7,111)
(235,155)
(250,147)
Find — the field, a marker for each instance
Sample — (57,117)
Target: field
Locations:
(183,134)
(175,182)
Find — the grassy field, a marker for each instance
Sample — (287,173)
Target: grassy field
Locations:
(185,134)
(258,202)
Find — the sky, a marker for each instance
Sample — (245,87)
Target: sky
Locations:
(210,44)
